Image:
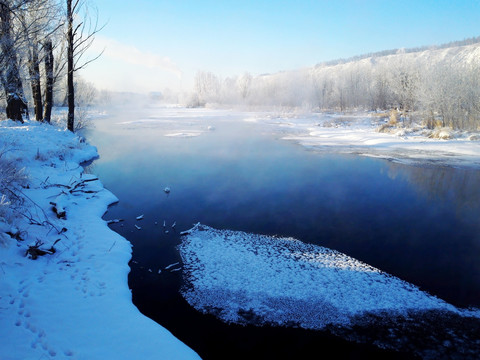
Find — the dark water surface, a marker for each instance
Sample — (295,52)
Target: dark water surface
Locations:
(420,224)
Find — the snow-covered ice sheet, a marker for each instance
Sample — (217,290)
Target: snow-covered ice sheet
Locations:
(248,278)
(73,302)
(357,134)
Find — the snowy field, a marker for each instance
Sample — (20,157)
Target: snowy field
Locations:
(63,279)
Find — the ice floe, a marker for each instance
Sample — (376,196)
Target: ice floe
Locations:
(184,134)
(245,278)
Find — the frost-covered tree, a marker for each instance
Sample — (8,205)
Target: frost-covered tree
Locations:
(380,93)
(322,88)
(229,93)
(28,28)
(450,95)
(39,20)
(404,84)
(244,84)
(206,87)
(10,77)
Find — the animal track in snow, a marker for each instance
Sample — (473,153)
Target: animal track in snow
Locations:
(68,353)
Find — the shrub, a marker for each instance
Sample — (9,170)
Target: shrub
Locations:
(10,176)
(393,117)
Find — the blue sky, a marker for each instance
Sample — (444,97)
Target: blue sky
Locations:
(154,44)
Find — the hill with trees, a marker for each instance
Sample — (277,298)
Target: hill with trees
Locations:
(438,85)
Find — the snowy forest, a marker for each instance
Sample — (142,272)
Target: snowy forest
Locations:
(42,45)
(439,86)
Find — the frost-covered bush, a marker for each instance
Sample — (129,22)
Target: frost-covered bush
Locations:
(4,207)
(4,215)
(82,118)
(10,177)
(10,174)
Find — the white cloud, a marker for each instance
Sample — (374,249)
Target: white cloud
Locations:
(132,55)
(124,67)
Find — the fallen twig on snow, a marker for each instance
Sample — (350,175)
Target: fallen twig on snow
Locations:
(34,251)
(111,247)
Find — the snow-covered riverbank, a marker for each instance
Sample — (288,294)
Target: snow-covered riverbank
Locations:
(73,300)
(358,133)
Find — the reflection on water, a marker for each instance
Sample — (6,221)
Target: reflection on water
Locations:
(460,186)
(450,240)
(420,224)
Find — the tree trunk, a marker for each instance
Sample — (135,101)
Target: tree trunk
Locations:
(34,71)
(48,81)
(70,69)
(16,103)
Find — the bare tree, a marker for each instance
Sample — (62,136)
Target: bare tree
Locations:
(34,71)
(39,20)
(80,36)
(70,53)
(49,79)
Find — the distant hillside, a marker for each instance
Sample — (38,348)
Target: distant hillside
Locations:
(439,85)
(453,44)
(465,54)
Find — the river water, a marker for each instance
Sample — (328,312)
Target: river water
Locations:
(417,223)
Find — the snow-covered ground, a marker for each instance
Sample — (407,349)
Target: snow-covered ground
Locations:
(69,298)
(357,133)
